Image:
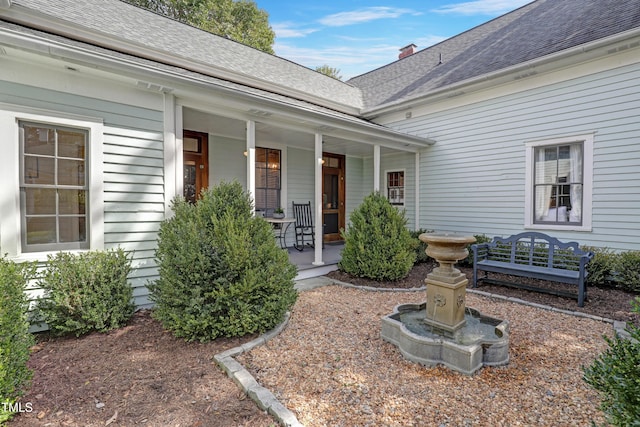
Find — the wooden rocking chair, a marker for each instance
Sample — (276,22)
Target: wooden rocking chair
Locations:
(305,231)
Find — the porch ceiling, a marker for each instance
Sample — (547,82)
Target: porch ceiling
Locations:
(272,132)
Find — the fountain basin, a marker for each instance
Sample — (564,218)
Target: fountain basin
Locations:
(482,341)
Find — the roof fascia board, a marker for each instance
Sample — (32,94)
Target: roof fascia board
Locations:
(34,19)
(318,121)
(552,61)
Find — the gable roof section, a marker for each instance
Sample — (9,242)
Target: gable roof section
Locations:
(119,26)
(541,28)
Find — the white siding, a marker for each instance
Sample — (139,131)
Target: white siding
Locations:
(472,179)
(401,162)
(300,183)
(133,171)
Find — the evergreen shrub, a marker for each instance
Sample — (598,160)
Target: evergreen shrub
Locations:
(600,268)
(86,292)
(377,243)
(627,270)
(15,338)
(615,374)
(221,270)
(420,246)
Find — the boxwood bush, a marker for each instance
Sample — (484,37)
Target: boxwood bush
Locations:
(627,270)
(420,246)
(221,270)
(377,244)
(15,338)
(615,374)
(86,292)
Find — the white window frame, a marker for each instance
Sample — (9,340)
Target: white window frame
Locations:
(386,185)
(587,141)
(10,214)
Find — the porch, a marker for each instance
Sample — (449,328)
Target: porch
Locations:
(304,260)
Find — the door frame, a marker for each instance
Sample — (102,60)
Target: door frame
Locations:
(200,158)
(326,169)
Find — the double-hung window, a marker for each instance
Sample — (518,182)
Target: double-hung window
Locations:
(395,187)
(53,187)
(559,183)
(268,180)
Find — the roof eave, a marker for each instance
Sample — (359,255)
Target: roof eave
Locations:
(34,19)
(506,74)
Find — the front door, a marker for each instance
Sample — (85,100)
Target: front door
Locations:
(333,196)
(196,164)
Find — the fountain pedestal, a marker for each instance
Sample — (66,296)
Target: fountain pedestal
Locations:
(446,285)
(443,330)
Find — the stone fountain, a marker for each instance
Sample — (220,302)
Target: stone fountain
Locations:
(442,329)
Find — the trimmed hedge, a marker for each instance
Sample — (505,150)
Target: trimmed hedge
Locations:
(221,270)
(86,292)
(15,338)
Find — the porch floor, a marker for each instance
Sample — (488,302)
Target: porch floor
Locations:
(304,259)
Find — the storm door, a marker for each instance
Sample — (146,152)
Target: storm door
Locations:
(333,195)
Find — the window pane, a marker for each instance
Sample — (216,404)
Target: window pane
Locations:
(261,177)
(72,202)
(39,140)
(261,158)
(41,230)
(40,201)
(39,170)
(274,159)
(71,144)
(273,178)
(273,199)
(261,199)
(72,229)
(71,172)
(191,144)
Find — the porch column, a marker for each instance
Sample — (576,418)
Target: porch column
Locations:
(251,160)
(318,202)
(376,168)
(417,184)
(172,151)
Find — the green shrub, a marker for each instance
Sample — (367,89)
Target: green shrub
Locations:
(627,270)
(221,271)
(86,292)
(468,261)
(600,268)
(616,375)
(377,243)
(15,338)
(420,246)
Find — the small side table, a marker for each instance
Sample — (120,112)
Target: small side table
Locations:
(283,224)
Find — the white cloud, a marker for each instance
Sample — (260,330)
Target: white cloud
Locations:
(289,30)
(363,15)
(482,7)
(351,61)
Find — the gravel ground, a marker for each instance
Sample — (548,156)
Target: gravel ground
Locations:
(331,368)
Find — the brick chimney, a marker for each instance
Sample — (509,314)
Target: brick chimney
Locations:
(407,50)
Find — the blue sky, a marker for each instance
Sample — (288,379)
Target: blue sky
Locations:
(360,35)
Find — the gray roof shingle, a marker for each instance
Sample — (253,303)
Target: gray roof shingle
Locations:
(535,30)
(133,26)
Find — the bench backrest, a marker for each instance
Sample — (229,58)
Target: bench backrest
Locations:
(537,249)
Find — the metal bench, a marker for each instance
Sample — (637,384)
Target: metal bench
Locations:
(535,255)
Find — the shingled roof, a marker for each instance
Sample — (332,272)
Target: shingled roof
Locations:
(533,31)
(119,26)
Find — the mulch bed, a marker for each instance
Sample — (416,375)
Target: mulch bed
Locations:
(603,302)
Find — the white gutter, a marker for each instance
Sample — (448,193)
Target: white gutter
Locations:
(486,79)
